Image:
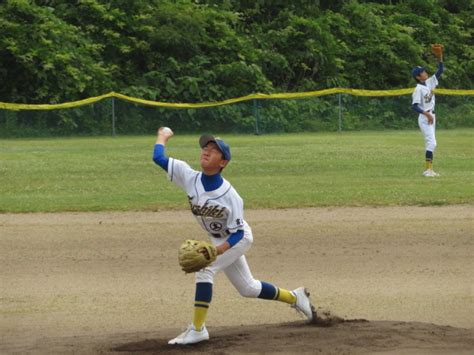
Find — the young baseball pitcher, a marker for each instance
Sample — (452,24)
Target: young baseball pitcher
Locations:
(219,210)
(424,103)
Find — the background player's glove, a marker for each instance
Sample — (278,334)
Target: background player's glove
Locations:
(195,255)
(437,50)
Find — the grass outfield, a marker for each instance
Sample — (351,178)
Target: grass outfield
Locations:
(271,171)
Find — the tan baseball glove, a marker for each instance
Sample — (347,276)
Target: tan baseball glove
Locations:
(437,50)
(196,254)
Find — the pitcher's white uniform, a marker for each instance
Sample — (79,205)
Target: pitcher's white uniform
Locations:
(220,213)
(425,98)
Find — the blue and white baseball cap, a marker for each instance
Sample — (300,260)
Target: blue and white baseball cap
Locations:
(417,71)
(223,146)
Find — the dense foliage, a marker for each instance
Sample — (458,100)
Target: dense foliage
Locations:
(193,51)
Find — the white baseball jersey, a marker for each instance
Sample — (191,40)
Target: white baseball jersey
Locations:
(424,94)
(219,212)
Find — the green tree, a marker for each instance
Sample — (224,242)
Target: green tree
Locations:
(44,59)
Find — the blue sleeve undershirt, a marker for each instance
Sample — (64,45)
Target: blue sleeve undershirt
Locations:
(235,237)
(161,159)
(440,70)
(211,182)
(417,108)
(159,156)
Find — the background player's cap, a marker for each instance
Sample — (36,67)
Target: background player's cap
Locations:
(223,146)
(417,71)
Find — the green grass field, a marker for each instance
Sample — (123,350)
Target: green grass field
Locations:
(273,171)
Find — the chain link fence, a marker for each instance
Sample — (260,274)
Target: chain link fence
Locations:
(334,112)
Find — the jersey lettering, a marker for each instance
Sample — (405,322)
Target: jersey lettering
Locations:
(218,212)
(428,97)
(206,210)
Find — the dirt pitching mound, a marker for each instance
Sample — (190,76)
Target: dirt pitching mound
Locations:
(331,335)
(109,282)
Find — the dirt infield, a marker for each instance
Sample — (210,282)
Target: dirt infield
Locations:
(400,277)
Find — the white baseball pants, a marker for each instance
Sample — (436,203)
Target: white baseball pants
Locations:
(234,265)
(428,131)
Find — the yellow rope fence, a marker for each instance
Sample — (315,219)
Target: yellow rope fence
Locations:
(257,96)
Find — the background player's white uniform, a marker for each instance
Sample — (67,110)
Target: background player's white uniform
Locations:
(425,98)
(220,213)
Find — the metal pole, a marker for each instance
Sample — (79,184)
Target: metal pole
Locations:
(340,113)
(113,116)
(256,114)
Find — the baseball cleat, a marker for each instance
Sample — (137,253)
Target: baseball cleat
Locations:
(190,336)
(303,303)
(430,173)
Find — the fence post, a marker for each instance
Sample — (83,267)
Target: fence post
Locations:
(256,115)
(113,116)
(340,113)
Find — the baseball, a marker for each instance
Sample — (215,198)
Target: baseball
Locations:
(167,130)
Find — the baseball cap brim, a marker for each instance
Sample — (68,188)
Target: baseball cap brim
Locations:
(223,147)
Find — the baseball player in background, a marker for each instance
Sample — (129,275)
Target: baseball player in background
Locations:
(424,103)
(219,210)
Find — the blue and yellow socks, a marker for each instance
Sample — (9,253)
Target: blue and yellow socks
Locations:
(428,160)
(285,296)
(202,300)
(270,292)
